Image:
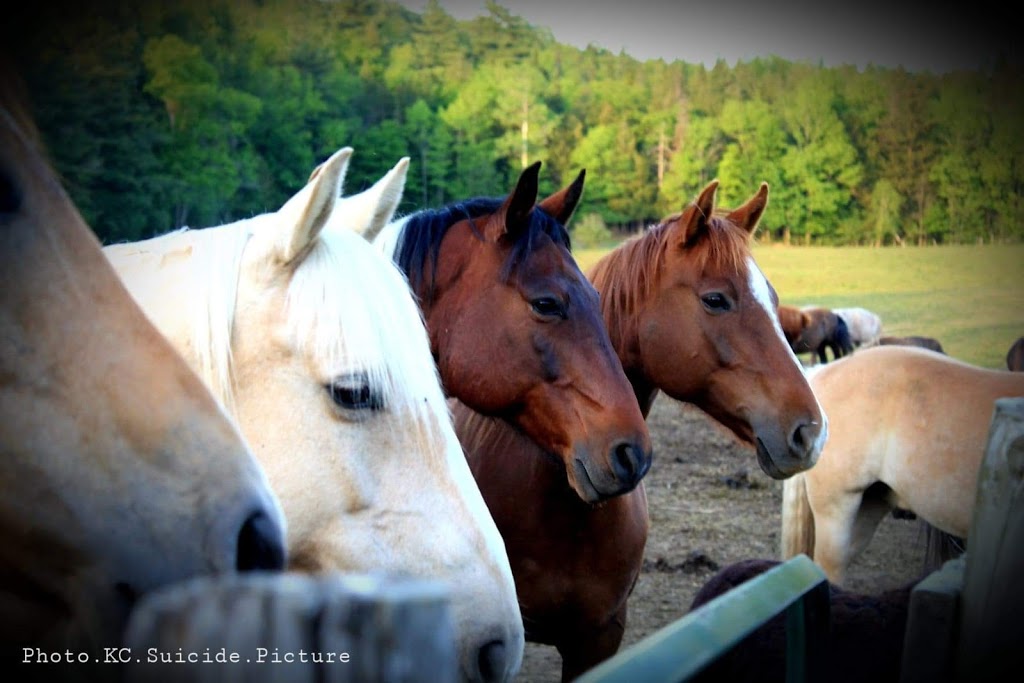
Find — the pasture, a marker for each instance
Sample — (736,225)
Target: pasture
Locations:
(969,297)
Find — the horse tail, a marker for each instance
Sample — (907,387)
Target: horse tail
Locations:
(939,547)
(797,519)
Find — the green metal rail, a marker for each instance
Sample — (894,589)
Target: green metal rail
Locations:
(682,649)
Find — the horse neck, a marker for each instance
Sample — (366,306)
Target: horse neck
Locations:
(625,279)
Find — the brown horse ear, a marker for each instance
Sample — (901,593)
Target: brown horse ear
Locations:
(748,215)
(562,204)
(694,221)
(514,215)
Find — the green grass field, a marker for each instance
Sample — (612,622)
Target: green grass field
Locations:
(970,298)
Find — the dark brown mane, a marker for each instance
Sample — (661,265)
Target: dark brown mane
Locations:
(628,276)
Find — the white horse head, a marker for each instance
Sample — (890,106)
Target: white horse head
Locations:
(313,341)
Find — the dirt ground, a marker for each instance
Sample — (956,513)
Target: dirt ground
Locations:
(711,505)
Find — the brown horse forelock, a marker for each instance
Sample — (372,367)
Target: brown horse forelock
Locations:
(629,276)
(420,245)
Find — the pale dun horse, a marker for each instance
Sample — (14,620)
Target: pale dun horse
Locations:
(908,431)
(313,342)
(119,474)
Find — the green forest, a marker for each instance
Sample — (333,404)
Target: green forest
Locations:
(160,115)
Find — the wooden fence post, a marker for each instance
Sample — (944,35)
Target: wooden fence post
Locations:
(991,638)
(291,627)
(933,623)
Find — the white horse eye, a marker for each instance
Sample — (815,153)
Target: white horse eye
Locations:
(355,393)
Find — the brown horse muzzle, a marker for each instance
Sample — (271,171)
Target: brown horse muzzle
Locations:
(627,463)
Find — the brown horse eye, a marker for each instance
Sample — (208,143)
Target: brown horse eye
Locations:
(716,302)
(549,307)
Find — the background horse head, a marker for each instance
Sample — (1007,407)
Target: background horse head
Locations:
(691,314)
(119,473)
(793,322)
(823,330)
(313,340)
(516,330)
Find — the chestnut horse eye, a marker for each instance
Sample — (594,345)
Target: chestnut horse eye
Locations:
(354,393)
(716,302)
(548,307)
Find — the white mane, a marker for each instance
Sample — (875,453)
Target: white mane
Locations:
(347,306)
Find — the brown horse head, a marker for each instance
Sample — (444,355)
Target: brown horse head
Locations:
(691,314)
(517,333)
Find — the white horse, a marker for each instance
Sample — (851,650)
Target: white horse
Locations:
(865,327)
(312,340)
(119,474)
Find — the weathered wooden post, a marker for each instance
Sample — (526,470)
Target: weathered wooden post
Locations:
(291,627)
(991,638)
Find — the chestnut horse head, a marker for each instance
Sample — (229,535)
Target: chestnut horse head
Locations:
(516,329)
(691,314)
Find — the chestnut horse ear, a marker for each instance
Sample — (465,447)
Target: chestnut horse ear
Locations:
(748,215)
(562,204)
(694,221)
(514,215)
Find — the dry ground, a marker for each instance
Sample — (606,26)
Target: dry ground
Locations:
(710,506)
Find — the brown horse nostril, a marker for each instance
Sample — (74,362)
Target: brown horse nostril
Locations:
(492,661)
(629,463)
(260,544)
(801,441)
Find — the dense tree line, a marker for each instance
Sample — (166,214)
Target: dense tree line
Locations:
(165,114)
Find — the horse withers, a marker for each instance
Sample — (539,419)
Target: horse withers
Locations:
(908,431)
(689,313)
(120,474)
(313,341)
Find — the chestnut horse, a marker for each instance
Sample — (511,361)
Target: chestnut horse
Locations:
(909,428)
(689,313)
(516,330)
(119,474)
(793,321)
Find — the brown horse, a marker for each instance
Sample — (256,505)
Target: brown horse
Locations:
(1015,356)
(929,343)
(516,330)
(864,642)
(793,321)
(689,313)
(119,473)
(823,330)
(909,428)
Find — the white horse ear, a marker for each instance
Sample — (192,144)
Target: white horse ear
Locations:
(369,211)
(304,215)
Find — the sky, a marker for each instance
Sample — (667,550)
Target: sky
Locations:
(936,36)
